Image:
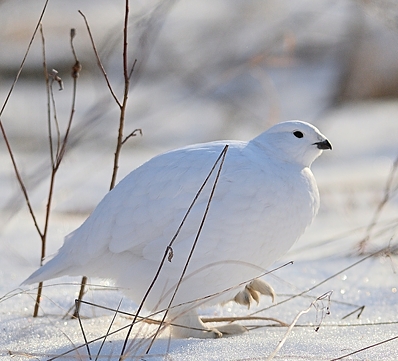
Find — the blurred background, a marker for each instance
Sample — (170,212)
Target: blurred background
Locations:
(205,70)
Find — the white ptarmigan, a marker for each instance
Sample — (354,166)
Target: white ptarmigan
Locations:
(265,198)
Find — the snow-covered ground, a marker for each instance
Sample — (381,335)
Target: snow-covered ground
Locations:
(176,110)
(351,180)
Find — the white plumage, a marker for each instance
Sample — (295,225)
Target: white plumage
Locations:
(265,198)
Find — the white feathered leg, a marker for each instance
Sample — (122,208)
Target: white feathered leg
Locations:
(188,324)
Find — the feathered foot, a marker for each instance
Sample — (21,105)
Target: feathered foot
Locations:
(252,292)
(185,324)
(189,324)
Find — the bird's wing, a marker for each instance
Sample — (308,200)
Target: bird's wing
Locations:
(143,212)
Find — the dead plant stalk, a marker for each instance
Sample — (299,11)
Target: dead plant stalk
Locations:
(122,106)
(168,253)
(58,155)
(389,190)
(54,164)
(3,131)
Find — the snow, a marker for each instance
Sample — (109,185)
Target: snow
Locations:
(372,283)
(351,180)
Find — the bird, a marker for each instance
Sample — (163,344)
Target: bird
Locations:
(222,212)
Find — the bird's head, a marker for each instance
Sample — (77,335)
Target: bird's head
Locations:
(294,142)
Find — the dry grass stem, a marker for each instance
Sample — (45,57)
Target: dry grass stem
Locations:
(8,145)
(56,158)
(313,304)
(389,190)
(100,65)
(109,330)
(243,318)
(169,247)
(82,329)
(82,291)
(121,104)
(365,348)
(221,159)
(322,282)
(360,309)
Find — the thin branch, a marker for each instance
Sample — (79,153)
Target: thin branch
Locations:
(281,343)
(47,82)
(381,205)
(167,251)
(360,309)
(243,318)
(23,60)
(55,77)
(132,134)
(20,181)
(88,343)
(13,161)
(72,36)
(122,106)
(99,61)
(126,75)
(72,113)
(80,297)
(223,155)
(365,348)
(50,97)
(132,69)
(82,329)
(125,45)
(54,169)
(109,329)
(322,282)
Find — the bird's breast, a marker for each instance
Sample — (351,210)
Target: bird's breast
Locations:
(258,216)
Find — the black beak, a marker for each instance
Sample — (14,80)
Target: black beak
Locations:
(325,144)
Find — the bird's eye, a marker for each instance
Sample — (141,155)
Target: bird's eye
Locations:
(298,134)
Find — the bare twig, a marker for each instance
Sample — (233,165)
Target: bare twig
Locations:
(23,62)
(55,163)
(10,152)
(50,95)
(47,82)
(82,329)
(169,247)
(360,309)
(109,329)
(223,155)
(386,197)
(132,69)
(281,343)
(243,318)
(322,282)
(80,297)
(132,134)
(122,105)
(99,61)
(365,348)
(72,113)
(46,78)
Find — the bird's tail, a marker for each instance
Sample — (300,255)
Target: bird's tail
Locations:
(52,269)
